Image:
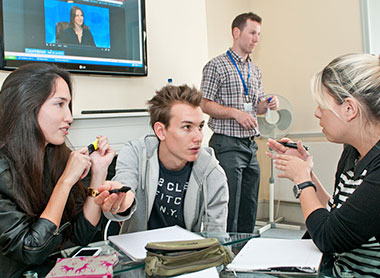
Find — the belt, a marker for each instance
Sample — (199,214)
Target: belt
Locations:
(250,138)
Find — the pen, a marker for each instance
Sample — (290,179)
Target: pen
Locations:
(122,189)
(268,109)
(292,145)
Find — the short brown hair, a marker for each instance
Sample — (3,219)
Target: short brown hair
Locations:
(161,104)
(241,20)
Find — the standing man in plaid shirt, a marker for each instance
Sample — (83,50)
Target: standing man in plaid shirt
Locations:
(232,96)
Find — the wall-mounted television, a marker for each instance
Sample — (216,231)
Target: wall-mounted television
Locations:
(89,36)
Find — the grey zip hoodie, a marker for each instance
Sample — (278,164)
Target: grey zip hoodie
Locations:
(206,199)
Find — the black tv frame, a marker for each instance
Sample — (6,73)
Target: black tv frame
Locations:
(7,64)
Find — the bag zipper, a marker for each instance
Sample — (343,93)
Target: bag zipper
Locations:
(212,260)
(164,250)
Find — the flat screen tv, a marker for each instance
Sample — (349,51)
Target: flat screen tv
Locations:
(89,36)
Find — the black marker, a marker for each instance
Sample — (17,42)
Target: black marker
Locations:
(122,189)
(292,145)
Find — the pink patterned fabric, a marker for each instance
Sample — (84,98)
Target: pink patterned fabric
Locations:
(84,267)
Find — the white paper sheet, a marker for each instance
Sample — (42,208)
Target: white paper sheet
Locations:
(268,253)
(133,244)
(208,272)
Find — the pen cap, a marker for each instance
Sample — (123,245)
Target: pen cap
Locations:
(92,147)
(95,144)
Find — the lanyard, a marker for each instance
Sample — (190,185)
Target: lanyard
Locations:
(241,76)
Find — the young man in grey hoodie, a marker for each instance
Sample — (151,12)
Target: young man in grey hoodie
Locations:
(176,180)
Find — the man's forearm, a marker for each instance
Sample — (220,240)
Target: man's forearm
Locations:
(217,110)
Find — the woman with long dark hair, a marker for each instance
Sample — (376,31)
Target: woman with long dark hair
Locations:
(43,205)
(77,32)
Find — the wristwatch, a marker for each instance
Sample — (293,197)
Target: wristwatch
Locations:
(297,188)
(92,192)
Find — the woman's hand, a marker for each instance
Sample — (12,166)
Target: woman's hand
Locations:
(103,156)
(292,167)
(281,149)
(77,166)
(115,202)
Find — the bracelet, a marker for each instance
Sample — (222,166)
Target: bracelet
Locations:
(92,192)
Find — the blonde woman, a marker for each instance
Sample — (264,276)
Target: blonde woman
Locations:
(346,225)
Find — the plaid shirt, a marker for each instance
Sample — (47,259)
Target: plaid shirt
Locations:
(221,83)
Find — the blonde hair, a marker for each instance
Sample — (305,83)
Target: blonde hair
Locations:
(355,76)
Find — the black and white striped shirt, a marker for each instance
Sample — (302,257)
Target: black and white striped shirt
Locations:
(366,258)
(350,226)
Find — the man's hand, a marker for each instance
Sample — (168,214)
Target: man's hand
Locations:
(246,120)
(115,202)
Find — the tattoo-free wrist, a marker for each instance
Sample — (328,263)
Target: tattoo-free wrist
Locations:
(299,180)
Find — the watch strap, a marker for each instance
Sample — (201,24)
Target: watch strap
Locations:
(305,184)
(297,188)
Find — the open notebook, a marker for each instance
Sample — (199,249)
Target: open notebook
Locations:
(133,244)
(277,255)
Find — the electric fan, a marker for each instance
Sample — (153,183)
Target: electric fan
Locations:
(275,124)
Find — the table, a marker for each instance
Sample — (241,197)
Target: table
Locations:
(128,268)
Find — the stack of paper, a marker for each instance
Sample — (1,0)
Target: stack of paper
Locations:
(208,272)
(288,255)
(133,244)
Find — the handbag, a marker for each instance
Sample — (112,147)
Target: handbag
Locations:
(177,257)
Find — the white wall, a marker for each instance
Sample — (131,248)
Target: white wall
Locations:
(118,128)
(299,38)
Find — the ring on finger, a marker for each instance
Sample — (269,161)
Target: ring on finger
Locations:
(115,209)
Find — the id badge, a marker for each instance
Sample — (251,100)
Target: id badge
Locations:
(248,107)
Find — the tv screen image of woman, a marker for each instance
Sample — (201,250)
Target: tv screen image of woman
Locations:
(77,32)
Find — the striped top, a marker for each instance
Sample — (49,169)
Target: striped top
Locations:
(221,83)
(350,226)
(362,261)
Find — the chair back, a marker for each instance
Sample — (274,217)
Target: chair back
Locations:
(59,28)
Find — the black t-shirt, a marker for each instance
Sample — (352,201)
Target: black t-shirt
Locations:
(168,205)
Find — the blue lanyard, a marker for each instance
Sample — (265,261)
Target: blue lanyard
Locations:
(241,76)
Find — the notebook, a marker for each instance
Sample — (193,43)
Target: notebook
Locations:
(277,255)
(133,244)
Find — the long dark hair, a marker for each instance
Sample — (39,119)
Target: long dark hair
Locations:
(35,167)
(72,16)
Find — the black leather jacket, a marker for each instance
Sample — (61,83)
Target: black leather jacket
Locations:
(25,242)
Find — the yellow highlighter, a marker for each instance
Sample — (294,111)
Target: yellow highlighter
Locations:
(93,146)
